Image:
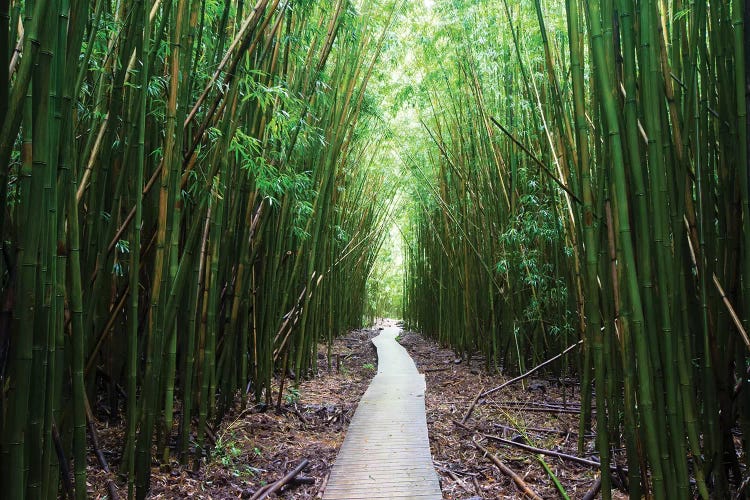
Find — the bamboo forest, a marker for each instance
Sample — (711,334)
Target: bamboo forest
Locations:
(206,205)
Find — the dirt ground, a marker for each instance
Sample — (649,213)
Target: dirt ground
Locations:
(260,445)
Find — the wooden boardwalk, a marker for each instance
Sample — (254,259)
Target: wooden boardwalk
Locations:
(386,453)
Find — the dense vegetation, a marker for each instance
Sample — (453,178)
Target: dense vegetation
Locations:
(585,177)
(196,193)
(189,202)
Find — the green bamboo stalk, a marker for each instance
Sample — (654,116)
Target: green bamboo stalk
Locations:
(133,326)
(77,344)
(620,195)
(25,334)
(5,45)
(180,58)
(740,83)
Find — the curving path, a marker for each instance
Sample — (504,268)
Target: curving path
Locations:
(386,452)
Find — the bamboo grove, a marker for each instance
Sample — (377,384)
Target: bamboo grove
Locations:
(189,206)
(584,175)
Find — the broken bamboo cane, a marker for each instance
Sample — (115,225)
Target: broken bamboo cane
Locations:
(275,486)
(520,377)
(520,483)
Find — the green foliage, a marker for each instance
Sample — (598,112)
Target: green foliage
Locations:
(229,452)
(509,177)
(525,266)
(484,222)
(385,283)
(292,396)
(226,451)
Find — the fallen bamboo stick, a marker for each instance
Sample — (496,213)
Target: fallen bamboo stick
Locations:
(323,486)
(528,373)
(532,404)
(540,409)
(541,430)
(473,404)
(520,483)
(549,453)
(477,488)
(275,486)
(462,425)
(111,487)
(520,377)
(455,478)
(594,491)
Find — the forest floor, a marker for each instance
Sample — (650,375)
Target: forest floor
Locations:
(257,446)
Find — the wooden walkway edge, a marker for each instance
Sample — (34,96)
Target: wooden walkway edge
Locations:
(386,452)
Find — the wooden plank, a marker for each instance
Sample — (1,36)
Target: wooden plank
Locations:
(386,452)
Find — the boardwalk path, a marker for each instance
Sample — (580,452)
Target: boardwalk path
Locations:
(386,453)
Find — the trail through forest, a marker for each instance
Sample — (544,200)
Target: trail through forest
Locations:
(259,446)
(198,198)
(386,453)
